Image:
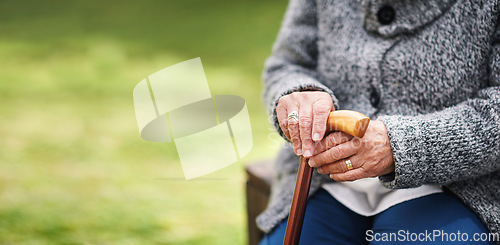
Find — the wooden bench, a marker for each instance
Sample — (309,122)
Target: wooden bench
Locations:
(258,190)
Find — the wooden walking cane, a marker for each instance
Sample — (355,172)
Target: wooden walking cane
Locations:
(350,122)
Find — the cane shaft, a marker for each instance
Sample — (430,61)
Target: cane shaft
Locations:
(351,122)
(299,202)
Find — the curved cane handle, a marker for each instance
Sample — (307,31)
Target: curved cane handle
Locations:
(350,122)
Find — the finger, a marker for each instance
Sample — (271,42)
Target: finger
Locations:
(293,130)
(333,154)
(281,113)
(321,110)
(352,175)
(305,127)
(340,166)
(331,140)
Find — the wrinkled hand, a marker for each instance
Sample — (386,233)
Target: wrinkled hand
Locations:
(370,156)
(313,109)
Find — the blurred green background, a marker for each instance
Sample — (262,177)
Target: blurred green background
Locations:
(73,168)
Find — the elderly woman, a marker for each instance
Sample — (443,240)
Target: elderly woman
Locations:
(428,74)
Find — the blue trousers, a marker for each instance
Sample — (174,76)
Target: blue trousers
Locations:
(434,219)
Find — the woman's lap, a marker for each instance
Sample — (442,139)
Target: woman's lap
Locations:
(321,223)
(329,222)
(437,219)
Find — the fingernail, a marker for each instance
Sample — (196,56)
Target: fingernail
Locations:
(307,153)
(312,163)
(299,152)
(316,137)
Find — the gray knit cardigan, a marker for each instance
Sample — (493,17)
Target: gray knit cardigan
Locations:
(432,75)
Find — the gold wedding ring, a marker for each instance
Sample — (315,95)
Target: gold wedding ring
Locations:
(348,164)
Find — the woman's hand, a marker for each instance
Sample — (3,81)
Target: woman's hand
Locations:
(370,156)
(313,109)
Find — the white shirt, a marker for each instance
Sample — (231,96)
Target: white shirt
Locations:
(368,197)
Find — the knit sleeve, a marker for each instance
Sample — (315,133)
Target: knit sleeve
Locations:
(292,66)
(454,144)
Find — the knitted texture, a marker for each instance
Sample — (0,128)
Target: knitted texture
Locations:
(432,75)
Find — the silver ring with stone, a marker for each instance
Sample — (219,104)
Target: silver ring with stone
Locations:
(294,115)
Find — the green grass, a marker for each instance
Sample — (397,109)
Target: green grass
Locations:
(73,169)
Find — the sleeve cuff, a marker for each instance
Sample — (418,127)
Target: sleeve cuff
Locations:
(403,136)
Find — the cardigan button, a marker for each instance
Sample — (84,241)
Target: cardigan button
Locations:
(386,15)
(374,97)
